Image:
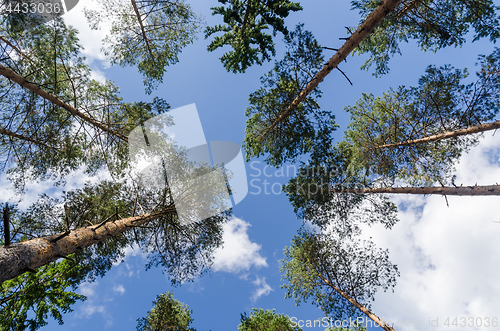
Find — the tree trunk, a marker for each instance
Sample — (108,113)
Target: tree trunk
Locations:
(28,255)
(446,190)
(363,309)
(445,135)
(367,27)
(143,31)
(11,75)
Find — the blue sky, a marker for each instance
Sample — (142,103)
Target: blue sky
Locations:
(444,254)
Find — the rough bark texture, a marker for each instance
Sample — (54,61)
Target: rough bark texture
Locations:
(445,135)
(8,73)
(446,190)
(367,27)
(362,308)
(28,255)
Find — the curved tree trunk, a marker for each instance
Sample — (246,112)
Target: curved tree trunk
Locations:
(362,308)
(367,27)
(16,259)
(13,76)
(445,135)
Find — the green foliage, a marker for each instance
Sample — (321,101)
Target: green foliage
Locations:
(441,103)
(308,128)
(27,300)
(314,196)
(167,314)
(266,320)
(150,38)
(47,51)
(432,24)
(245,22)
(316,263)
(58,142)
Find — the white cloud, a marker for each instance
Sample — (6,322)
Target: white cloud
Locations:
(88,289)
(262,288)
(88,309)
(93,304)
(129,251)
(119,288)
(238,253)
(447,256)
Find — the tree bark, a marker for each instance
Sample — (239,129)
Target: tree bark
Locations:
(28,255)
(446,190)
(445,135)
(362,308)
(13,76)
(367,27)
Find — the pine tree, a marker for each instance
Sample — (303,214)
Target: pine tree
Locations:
(382,129)
(57,118)
(309,128)
(261,319)
(244,24)
(336,274)
(263,134)
(146,33)
(167,314)
(432,24)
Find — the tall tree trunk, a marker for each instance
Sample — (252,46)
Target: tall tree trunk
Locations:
(143,30)
(16,259)
(444,135)
(13,76)
(367,27)
(362,308)
(446,190)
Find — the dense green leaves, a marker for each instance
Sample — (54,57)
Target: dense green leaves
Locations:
(167,314)
(266,320)
(316,264)
(440,103)
(309,128)
(26,301)
(147,33)
(432,24)
(245,22)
